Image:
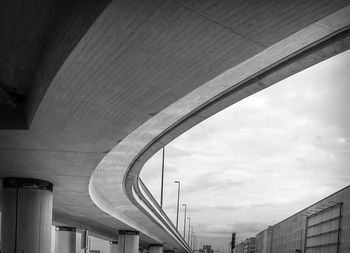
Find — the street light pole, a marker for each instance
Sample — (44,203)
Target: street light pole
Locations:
(191,237)
(178,203)
(162,182)
(185,221)
(194,241)
(189,230)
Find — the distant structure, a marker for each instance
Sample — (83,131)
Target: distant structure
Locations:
(206,249)
(322,227)
(233,242)
(247,246)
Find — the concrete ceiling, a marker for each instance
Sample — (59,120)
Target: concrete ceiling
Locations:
(92,72)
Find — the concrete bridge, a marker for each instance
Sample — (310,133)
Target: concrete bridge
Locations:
(90,90)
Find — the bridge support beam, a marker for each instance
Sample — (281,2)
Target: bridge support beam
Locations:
(26,215)
(113,247)
(156,248)
(65,239)
(128,242)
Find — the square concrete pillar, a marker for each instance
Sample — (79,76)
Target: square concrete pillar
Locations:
(113,247)
(65,239)
(156,248)
(128,241)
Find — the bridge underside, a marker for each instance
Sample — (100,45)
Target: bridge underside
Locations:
(79,76)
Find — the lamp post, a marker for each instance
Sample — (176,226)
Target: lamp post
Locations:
(189,230)
(178,203)
(194,241)
(191,246)
(185,221)
(162,181)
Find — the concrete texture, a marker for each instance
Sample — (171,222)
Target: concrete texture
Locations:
(334,209)
(36,37)
(156,249)
(26,220)
(117,80)
(128,243)
(65,240)
(113,247)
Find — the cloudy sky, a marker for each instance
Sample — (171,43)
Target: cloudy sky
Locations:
(262,159)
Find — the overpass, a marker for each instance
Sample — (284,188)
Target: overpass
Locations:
(90,90)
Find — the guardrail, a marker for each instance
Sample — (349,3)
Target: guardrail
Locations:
(155,203)
(145,195)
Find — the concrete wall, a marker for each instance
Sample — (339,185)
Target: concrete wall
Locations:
(261,241)
(247,246)
(290,234)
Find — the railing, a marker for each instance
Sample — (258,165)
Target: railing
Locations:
(146,196)
(154,202)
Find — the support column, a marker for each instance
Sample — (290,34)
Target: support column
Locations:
(85,242)
(128,242)
(65,239)
(113,247)
(26,215)
(156,248)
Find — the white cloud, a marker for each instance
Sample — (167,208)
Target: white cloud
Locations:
(340,140)
(264,158)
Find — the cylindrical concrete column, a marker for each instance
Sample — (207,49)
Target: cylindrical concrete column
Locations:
(156,248)
(26,216)
(65,239)
(113,247)
(128,242)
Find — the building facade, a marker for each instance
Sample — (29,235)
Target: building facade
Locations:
(321,228)
(247,246)
(206,249)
